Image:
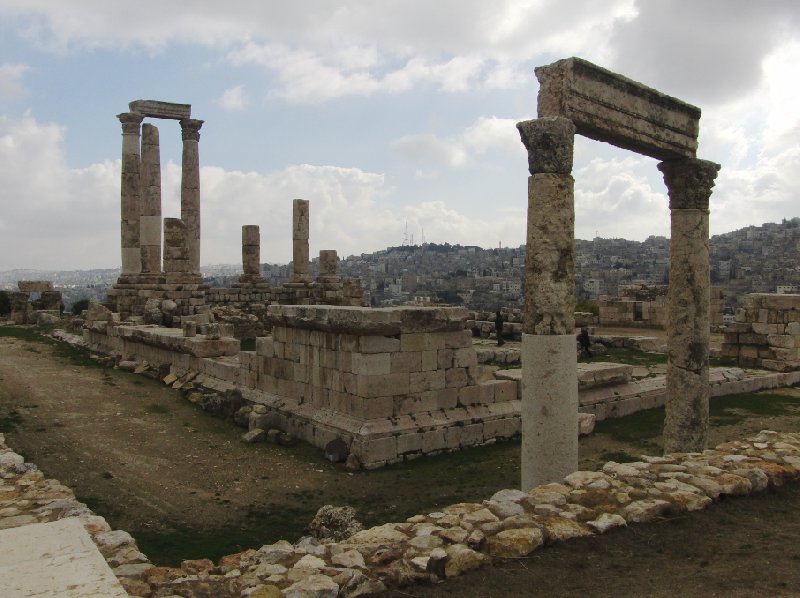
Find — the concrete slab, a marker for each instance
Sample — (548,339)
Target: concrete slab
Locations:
(56,559)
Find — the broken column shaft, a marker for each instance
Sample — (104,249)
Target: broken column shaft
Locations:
(251,251)
(300,241)
(150,219)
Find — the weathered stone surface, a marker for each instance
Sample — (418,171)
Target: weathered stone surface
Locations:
(386,321)
(158,109)
(313,586)
(514,543)
(462,559)
(612,108)
(254,435)
(605,522)
(331,524)
(550,263)
(549,142)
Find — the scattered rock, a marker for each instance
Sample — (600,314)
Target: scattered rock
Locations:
(254,435)
(332,524)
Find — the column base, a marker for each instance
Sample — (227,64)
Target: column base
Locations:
(549,408)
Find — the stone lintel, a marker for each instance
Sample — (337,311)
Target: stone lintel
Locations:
(612,108)
(156,109)
(35,286)
(385,321)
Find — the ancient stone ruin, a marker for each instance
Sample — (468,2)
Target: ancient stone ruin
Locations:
(166,291)
(576,96)
(765,333)
(44,309)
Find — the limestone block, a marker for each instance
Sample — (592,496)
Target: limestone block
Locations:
(469,395)
(784,341)
(422,381)
(612,108)
(378,344)
(406,362)
(371,364)
(549,142)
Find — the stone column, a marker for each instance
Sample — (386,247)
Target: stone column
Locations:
(190,189)
(300,241)
(549,357)
(328,264)
(176,252)
(689,182)
(251,251)
(130,192)
(150,220)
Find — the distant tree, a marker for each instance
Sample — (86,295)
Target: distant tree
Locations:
(79,306)
(585,305)
(5,303)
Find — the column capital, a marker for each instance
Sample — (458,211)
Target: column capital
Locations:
(689,182)
(131,122)
(190,129)
(549,142)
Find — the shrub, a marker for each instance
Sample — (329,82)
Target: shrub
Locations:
(585,305)
(5,303)
(79,306)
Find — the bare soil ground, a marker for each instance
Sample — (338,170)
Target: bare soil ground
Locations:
(185,486)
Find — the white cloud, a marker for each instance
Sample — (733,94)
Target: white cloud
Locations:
(234,99)
(11,87)
(616,197)
(429,149)
(484,135)
(323,50)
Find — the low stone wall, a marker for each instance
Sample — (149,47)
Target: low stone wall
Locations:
(27,497)
(428,547)
(633,314)
(765,333)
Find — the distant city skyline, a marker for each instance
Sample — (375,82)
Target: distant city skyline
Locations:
(380,114)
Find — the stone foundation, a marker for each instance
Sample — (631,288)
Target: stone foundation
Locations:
(393,383)
(766,333)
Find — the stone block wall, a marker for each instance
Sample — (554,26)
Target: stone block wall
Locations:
(401,372)
(632,314)
(394,383)
(765,333)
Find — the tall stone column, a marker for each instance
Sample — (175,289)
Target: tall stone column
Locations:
(300,241)
(150,220)
(190,189)
(130,192)
(689,182)
(251,251)
(549,356)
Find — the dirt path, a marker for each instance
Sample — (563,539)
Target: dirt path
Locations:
(182,483)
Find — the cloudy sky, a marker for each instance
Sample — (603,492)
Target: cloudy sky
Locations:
(382,114)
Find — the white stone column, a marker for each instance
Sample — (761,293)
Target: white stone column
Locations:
(549,356)
(300,250)
(130,193)
(150,220)
(190,189)
(689,182)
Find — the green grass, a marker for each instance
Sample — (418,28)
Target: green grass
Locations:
(628,356)
(643,427)
(65,352)
(733,409)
